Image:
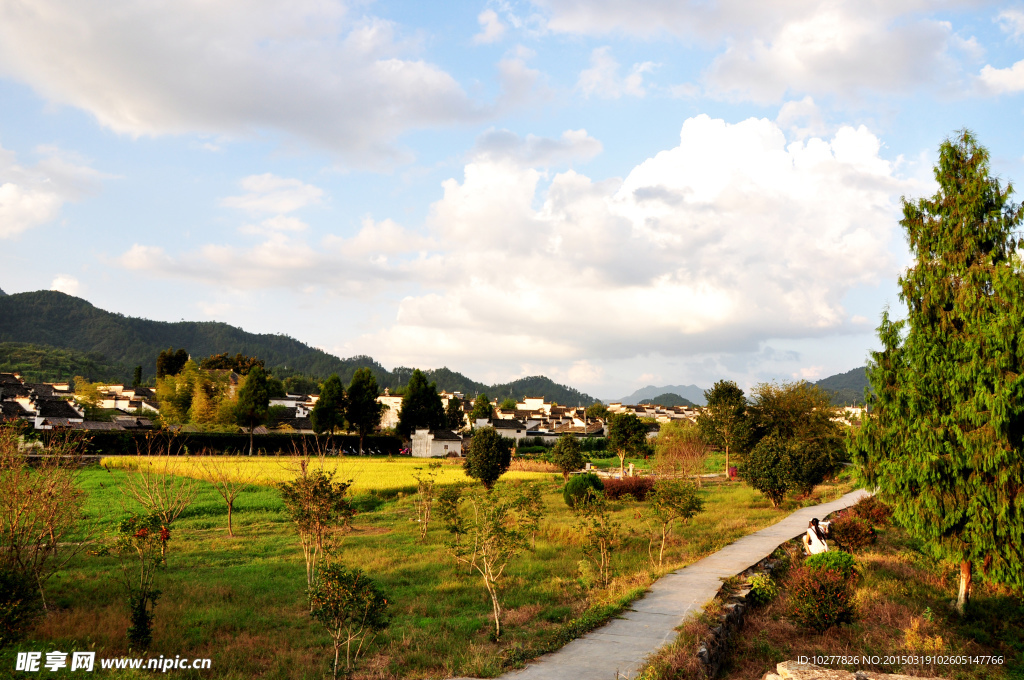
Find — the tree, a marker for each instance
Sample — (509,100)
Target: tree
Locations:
(328,412)
(680,450)
(567,454)
(424,499)
(350,606)
(139,545)
(481,409)
(137,377)
(597,410)
(454,418)
(765,467)
(421,406)
(508,404)
(229,479)
(489,456)
(802,414)
(170,362)
(943,442)
(363,411)
(599,533)
(627,435)
(88,395)
(153,484)
(723,421)
(318,506)
(672,501)
(253,402)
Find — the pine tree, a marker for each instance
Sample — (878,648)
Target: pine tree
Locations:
(362,410)
(253,402)
(944,442)
(329,411)
(421,406)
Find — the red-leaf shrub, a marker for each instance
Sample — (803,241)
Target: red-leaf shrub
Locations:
(850,532)
(873,510)
(638,487)
(820,598)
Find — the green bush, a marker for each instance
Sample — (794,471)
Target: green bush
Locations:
(19,605)
(851,533)
(837,560)
(820,598)
(763,589)
(579,485)
(765,468)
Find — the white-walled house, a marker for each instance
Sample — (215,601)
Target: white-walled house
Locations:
(435,443)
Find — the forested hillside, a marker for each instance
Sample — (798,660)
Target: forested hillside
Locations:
(37,363)
(118,343)
(846,389)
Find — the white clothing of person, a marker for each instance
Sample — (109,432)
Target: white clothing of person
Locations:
(814,544)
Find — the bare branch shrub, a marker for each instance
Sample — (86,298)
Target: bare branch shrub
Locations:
(229,478)
(680,451)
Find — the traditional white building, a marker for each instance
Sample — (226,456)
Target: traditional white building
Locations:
(435,443)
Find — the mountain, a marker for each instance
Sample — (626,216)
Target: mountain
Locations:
(2,293)
(37,363)
(55,320)
(668,399)
(846,389)
(691,393)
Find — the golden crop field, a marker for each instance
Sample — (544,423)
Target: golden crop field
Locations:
(366,473)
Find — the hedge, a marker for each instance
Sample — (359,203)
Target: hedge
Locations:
(121,443)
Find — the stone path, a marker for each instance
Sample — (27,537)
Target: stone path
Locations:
(619,648)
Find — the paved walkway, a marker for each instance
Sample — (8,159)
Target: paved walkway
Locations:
(619,648)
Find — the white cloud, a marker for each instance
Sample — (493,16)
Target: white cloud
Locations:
(1012,22)
(537,151)
(801,118)
(268,193)
(65,284)
(33,196)
(308,68)
(493,29)
(1003,80)
(603,79)
(719,244)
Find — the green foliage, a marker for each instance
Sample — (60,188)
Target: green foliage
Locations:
(317,506)
(362,410)
(599,533)
(846,389)
(765,468)
(489,456)
(723,421)
(20,605)
(169,362)
(300,384)
(138,544)
(39,363)
(567,454)
(328,412)
(627,436)
(454,418)
(668,399)
(763,589)
(820,598)
(421,407)
(508,404)
(837,560)
(350,606)
(851,532)
(673,501)
(579,486)
(945,445)
(253,404)
(239,363)
(481,409)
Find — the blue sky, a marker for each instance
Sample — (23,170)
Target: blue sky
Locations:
(609,193)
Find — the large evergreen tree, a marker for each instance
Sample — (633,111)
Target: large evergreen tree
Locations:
(482,409)
(253,402)
(363,411)
(455,419)
(328,413)
(944,442)
(723,421)
(421,406)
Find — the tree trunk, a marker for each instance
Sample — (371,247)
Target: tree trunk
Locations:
(251,428)
(230,508)
(360,443)
(964,596)
(727,462)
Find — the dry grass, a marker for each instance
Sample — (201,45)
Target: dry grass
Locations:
(527,465)
(521,615)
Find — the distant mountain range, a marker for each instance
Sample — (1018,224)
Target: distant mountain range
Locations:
(691,393)
(668,399)
(107,346)
(847,389)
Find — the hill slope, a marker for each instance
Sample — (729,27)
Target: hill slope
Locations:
(691,393)
(56,320)
(668,399)
(37,363)
(847,389)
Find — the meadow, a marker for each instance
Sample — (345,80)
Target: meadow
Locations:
(241,601)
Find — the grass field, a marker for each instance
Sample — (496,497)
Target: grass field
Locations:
(241,601)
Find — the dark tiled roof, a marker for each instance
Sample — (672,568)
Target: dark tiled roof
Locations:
(12,409)
(55,408)
(41,389)
(501,424)
(9,379)
(445,435)
(12,390)
(143,392)
(94,425)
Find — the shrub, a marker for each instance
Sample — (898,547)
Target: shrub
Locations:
(578,487)
(19,605)
(873,510)
(765,468)
(820,598)
(763,589)
(851,532)
(836,560)
(489,456)
(567,455)
(638,487)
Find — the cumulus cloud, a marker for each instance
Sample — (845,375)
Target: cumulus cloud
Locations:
(492,28)
(603,79)
(734,236)
(32,196)
(1003,80)
(535,151)
(268,193)
(801,119)
(308,68)
(65,284)
(1012,22)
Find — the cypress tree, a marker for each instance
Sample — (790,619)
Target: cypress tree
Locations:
(421,406)
(943,444)
(363,411)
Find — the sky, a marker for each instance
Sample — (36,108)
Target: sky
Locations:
(611,193)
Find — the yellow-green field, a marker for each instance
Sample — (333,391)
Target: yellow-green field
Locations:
(387,475)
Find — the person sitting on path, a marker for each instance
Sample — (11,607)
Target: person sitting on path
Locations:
(814,539)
